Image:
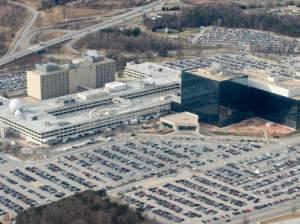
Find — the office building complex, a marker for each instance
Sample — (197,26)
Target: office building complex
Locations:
(70,117)
(51,80)
(223,97)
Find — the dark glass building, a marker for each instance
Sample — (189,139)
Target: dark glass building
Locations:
(276,108)
(221,100)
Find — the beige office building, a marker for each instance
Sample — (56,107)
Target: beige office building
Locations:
(51,80)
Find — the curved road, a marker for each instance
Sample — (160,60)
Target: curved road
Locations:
(137,12)
(25,30)
(26,43)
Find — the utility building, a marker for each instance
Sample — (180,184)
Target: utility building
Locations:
(184,121)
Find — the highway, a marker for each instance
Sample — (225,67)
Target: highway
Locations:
(139,11)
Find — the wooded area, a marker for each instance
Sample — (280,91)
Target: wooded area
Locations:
(112,4)
(85,208)
(128,40)
(232,16)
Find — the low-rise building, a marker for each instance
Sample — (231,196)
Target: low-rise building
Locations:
(148,70)
(184,121)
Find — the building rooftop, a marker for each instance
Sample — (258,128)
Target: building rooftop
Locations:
(152,70)
(218,74)
(46,122)
(43,69)
(184,117)
(40,116)
(272,79)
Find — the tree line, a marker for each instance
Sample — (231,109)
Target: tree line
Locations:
(112,4)
(128,40)
(232,16)
(85,208)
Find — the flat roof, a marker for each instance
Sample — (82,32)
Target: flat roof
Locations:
(218,75)
(152,70)
(181,118)
(47,121)
(48,68)
(280,81)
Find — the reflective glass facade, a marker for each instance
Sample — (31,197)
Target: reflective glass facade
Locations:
(276,108)
(200,96)
(229,101)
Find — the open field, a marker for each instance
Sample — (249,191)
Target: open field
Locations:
(11,20)
(45,36)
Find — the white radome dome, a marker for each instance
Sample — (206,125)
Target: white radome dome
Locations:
(18,113)
(15,104)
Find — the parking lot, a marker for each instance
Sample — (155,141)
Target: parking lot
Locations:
(245,38)
(287,67)
(174,179)
(221,192)
(105,165)
(12,82)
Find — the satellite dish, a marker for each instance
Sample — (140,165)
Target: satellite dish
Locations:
(15,104)
(18,113)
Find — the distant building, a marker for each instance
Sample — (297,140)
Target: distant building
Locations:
(184,121)
(148,70)
(51,80)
